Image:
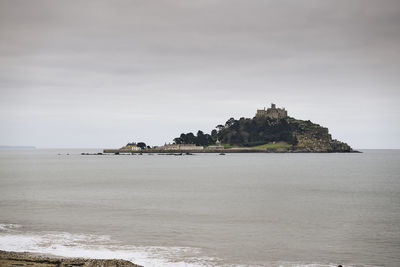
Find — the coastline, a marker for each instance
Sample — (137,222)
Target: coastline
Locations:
(10,258)
(230,150)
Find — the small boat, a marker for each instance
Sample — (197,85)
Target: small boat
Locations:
(222,153)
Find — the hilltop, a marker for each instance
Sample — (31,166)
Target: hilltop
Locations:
(270,129)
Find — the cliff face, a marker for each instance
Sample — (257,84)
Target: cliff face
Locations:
(312,137)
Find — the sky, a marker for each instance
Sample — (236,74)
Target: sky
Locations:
(99,74)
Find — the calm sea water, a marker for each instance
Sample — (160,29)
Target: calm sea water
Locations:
(204,210)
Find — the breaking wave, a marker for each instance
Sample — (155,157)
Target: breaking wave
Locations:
(98,246)
(64,244)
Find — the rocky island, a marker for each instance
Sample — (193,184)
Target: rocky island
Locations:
(270,131)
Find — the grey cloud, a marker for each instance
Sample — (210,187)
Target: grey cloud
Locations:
(152,60)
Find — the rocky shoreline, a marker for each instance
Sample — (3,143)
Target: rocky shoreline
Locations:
(230,150)
(8,258)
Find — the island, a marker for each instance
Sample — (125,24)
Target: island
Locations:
(271,130)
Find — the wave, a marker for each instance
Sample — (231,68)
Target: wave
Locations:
(100,247)
(4,227)
(64,244)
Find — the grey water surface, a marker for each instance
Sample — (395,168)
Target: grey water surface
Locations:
(205,209)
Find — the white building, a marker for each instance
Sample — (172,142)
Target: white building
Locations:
(130,147)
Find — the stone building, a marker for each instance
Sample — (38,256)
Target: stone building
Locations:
(181,147)
(272,112)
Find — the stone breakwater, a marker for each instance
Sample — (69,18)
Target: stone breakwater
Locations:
(28,259)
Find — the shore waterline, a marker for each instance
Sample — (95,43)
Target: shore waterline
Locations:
(209,210)
(8,258)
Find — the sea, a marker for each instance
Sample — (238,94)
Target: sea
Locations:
(256,209)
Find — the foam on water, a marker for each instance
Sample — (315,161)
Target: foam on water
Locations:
(103,247)
(9,226)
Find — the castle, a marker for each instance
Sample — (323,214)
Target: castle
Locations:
(272,112)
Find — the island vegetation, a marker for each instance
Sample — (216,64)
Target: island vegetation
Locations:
(244,133)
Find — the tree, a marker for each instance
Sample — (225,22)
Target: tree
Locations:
(201,139)
(220,127)
(244,132)
(142,145)
(230,122)
(178,140)
(214,135)
(190,138)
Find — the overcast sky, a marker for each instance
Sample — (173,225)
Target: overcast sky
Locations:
(102,73)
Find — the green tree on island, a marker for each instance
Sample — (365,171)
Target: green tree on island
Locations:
(142,145)
(243,132)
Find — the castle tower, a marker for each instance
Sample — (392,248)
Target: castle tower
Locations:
(272,112)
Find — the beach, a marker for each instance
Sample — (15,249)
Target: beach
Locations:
(36,260)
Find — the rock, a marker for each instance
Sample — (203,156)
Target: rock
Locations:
(28,259)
